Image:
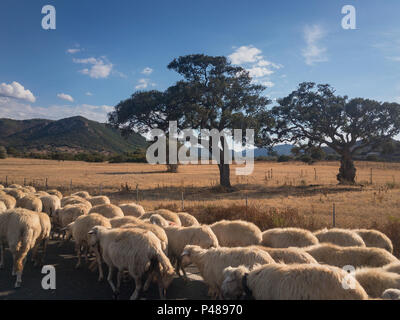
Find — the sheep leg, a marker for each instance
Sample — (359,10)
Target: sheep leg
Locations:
(109,277)
(35,254)
(86,253)
(119,278)
(20,258)
(1,254)
(45,243)
(78,252)
(100,266)
(138,286)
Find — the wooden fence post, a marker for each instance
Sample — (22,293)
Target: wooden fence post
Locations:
(137,193)
(334,215)
(183,202)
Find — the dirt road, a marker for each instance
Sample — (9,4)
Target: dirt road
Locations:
(82,284)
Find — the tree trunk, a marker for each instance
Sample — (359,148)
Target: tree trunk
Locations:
(224,175)
(347,171)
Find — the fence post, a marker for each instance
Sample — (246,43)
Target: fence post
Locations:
(370,178)
(137,193)
(47,186)
(24,181)
(101,188)
(6,181)
(183,202)
(334,215)
(70,186)
(315,174)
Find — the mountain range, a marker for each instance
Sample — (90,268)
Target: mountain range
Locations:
(75,134)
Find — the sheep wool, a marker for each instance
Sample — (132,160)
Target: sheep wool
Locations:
(120,221)
(375,280)
(132,209)
(331,254)
(82,194)
(288,237)
(212,262)
(137,251)
(20,228)
(391,294)
(80,228)
(9,201)
(288,255)
(166,214)
(30,202)
(290,282)
(236,233)
(107,210)
(99,200)
(187,219)
(375,238)
(3,206)
(340,237)
(50,204)
(55,192)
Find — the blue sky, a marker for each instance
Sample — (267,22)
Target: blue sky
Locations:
(102,51)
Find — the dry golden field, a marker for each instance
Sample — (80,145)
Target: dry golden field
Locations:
(311,190)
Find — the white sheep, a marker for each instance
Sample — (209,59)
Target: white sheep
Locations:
(64,216)
(132,209)
(375,280)
(375,238)
(120,221)
(15,186)
(166,214)
(331,254)
(99,200)
(290,282)
(82,194)
(55,192)
(187,219)
(75,200)
(340,237)
(3,207)
(212,262)
(79,231)
(20,228)
(159,220)
(391,294)
(392,267)
(158,231)
(107,210)
(288,237)
(50,204)
(9,201)
(179,237)
(30,202)
(31,189)
(43,238)
(40,194)
(236,233)
(288,255)
(138,251)
(16,193)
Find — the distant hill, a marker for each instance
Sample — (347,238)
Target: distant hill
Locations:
(75,134)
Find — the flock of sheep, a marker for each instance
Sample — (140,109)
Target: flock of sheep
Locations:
(235,258)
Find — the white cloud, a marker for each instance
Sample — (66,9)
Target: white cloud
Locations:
(245,54)
(314,52)
(100,67)
(15,110)
(397,59)
(17,91)
(147,71)
(89,94)
(65,96)
(254,62)
(144,83)
(73,51)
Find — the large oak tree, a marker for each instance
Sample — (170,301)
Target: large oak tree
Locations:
(213,94)
(315,116)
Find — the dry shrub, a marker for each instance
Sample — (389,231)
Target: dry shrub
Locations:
(263,217)
(392,229)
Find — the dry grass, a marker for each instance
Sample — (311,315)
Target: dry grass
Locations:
(278,194)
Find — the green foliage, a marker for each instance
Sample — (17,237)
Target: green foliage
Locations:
(284,158)
(3,152)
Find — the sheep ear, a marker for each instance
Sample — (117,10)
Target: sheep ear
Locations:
(185,253)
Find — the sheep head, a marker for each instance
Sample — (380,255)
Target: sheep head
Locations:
(232,286)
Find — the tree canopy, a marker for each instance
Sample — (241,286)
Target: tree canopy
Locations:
(315,116)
